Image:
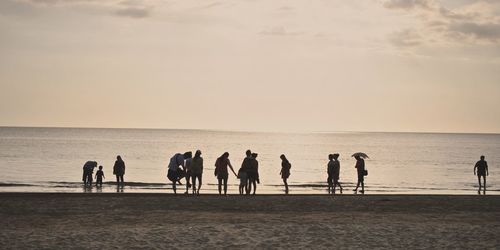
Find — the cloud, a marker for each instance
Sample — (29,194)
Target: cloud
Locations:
(486,31)
(405,38)
(477,22)
(407,4)
(133,12)
(278,31)
(124,8)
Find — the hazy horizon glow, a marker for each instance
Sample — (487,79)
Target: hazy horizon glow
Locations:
(382,65)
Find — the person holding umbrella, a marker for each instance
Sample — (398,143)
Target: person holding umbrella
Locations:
(360,166)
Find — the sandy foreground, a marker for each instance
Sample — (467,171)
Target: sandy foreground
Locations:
(162,221)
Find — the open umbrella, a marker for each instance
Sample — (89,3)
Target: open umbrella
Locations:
(362,155)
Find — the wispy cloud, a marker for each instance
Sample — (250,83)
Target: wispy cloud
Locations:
(477,22)
(279,31)
(122,8)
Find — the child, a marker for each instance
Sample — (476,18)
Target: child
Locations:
(99,176)
(242,175)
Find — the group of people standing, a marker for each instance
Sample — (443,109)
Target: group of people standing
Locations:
(191,168)
(88,172)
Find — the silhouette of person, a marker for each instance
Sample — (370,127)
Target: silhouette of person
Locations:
(253,174)
(187,170)
(175,172)
(246,168)
(242,175)
(285,171)
(88,171)
(221,171)
(330,170)
(119,170)
(196,171)
(99,176)
(360,166)
(481,170)
(336,173)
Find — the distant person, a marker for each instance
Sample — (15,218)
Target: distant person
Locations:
(119,170)
(187,171)
(221,171)
(336,173)
(285,171)
(246,167)
(253,174)
(329,171)
(242,175)
(360,166)
(175,172)
(88,171)
(196,171)
(481,170)
(99,176)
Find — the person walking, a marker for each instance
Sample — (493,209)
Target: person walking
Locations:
(196,171)
(221,171)
(360,166)
(329,171)
(285,171)
(336,173)
(119,170)
(481,170)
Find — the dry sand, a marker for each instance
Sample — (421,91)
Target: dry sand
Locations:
(161,221)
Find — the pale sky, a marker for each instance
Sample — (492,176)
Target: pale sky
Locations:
(253,65)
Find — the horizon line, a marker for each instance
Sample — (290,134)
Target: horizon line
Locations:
(254,131)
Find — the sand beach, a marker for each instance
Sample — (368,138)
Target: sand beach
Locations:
(164,221)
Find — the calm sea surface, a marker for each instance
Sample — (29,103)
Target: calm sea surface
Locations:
(51,159)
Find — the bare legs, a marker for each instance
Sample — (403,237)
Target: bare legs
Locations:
(251,182)
(286,185)
(194,183)
(337,183)
(221,180)
(362,182)
(481,186)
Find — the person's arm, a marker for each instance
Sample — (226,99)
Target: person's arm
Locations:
(231,167)
(103,175)
(485,163)
(475,167)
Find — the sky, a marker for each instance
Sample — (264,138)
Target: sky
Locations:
(252,65)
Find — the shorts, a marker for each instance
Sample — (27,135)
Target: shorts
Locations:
(243,179)
(172,175)
(361,177)
(481,173)
(222,176)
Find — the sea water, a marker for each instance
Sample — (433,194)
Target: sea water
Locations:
(51,159)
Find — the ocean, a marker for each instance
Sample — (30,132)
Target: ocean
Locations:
(51,159)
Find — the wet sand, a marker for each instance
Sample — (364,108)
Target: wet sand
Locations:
(161,221)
